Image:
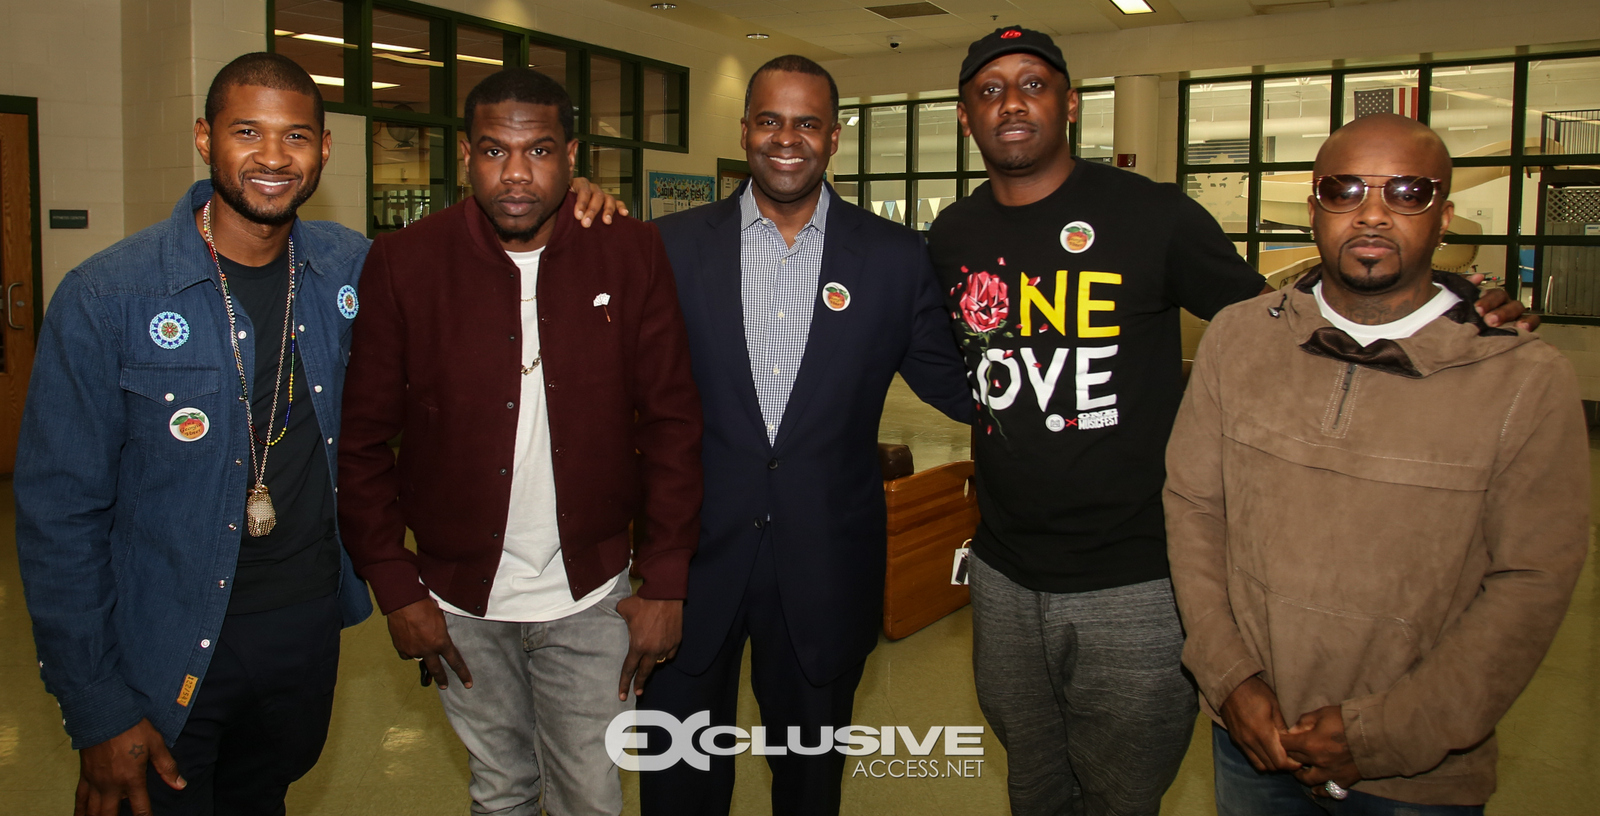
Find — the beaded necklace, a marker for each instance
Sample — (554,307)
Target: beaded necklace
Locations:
(259,515)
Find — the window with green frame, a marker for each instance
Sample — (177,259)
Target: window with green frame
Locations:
(1524,132)
(407,68)
(907,160)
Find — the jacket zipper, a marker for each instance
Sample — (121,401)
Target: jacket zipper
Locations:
(1349,374)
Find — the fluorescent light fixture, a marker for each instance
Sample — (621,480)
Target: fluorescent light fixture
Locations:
(338,82)
(404,49)
(279,32)
(319,38)
(663,6)
(1133,6)
(428,63)
(757,36)
(479,60)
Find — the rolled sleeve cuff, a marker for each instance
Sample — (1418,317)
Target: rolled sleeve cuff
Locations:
(396,584)
(1235,665)
(666,575)
(99,712)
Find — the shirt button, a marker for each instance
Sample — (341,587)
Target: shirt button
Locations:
(301,327)
(512,337)
(238,461)
(242,335)
(222,584)
(205,644)
(784,262)
(502,471)
(170,398)
(317,388)
(772,465)
(233,526)
(758,522)
(330,440)
(511,405)
(494,535)
(780,315)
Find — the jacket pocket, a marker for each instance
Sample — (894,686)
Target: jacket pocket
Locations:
(172,409)
(1312,647)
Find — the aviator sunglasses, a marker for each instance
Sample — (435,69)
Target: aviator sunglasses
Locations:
(1404,195)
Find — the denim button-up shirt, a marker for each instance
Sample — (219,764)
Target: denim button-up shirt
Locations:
(128,530)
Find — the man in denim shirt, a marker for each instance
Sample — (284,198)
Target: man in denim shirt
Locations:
(188,368)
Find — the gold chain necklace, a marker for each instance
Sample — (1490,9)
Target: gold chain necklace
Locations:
(259,515)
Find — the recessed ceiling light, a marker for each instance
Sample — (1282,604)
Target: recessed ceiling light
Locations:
(758,36)
(1133,6)
(663,6)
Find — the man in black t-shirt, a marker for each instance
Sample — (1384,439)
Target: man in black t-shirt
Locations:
(1064,280)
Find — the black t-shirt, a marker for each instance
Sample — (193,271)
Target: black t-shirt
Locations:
(299,560)
(1067,314)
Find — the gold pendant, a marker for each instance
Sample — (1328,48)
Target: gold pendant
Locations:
(259,517)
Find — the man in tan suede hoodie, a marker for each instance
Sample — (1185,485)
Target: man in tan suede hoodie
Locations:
(1376,507)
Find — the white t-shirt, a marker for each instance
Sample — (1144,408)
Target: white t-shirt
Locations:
(1396,330)
(531,582)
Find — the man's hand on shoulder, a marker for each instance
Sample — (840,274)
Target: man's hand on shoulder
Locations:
(419,633)
(1318,741)
(1498,309)
(590,201)
(655,628)
(1254,721)
(114,770)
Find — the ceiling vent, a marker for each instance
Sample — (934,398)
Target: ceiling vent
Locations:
(904,10)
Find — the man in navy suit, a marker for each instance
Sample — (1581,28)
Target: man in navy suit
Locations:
(800,307)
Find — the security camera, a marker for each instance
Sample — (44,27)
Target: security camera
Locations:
(894,42)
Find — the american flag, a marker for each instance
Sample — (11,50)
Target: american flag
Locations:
(1387,100)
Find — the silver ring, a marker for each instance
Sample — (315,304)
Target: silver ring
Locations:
(1335,790)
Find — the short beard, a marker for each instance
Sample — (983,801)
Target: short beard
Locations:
(1013,162)
(524,235)
(1371,285)
(233,196)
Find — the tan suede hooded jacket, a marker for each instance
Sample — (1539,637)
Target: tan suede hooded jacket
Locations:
(1398,536)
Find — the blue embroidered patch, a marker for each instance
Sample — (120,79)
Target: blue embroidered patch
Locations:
(169,330)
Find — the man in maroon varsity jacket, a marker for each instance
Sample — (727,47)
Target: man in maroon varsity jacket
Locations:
(539,373)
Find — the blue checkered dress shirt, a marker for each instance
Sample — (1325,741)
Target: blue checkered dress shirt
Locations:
(779,286)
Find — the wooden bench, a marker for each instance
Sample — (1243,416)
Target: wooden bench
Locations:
(930,514)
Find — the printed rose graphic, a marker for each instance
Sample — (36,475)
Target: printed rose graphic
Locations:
(985,304)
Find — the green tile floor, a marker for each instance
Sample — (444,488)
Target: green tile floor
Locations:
(390,751)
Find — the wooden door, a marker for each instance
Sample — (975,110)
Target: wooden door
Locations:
(16,281)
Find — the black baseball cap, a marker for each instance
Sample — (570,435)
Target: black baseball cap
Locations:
(1011,40)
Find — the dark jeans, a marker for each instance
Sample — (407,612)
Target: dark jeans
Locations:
(1244,791)
(260,716)
(801,784)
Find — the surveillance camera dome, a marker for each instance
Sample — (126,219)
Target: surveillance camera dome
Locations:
(894,44)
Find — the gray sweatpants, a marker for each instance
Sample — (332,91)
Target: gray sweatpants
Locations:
(1085,691)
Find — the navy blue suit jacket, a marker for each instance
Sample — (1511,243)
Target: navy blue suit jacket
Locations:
(819,482)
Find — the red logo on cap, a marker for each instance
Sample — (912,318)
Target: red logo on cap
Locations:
(1011,35)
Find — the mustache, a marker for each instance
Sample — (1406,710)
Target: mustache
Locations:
(1370,240)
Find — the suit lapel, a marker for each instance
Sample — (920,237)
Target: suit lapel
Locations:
(724,291)
(841,264)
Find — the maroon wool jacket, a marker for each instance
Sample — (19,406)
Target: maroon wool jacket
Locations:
(436,355)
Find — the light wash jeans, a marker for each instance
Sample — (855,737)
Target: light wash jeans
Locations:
(534,721)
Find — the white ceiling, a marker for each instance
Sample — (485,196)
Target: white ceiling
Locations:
(847,28)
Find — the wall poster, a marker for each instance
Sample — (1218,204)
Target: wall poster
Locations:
(675,192)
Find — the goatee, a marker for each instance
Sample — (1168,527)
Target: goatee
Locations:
(233,195)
